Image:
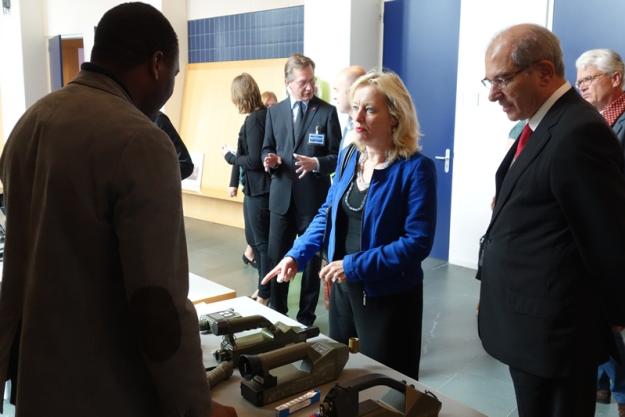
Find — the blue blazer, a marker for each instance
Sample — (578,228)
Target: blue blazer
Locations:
(397,228)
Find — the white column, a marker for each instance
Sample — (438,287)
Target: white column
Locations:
(12,72)
(176,13)
(339,33)
(481,130)
(35,50)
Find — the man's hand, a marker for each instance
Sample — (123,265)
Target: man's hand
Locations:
(285,271)
(271,161)
(333,272)
(219,410)
(232,191)
(304,164)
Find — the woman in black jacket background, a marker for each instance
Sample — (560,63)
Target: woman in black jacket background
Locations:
(246,97)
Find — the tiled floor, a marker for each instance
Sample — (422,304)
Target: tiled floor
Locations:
(452,362)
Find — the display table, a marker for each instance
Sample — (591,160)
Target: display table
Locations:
(228,392)
(202,290)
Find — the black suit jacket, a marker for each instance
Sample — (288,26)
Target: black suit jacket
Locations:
(184,159)
(248,155)
(619,130)
(309,192)
(552,263)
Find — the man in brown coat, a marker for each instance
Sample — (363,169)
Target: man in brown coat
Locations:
(94,316)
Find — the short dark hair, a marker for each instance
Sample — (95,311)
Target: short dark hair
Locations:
(296,61)
(129,34)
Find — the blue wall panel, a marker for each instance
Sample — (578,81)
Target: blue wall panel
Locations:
(275,33)
(421,45)
(583,25)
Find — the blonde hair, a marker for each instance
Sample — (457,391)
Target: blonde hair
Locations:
(406,135)
(266,96)
(246,94)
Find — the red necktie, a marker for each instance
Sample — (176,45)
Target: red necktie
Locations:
(525,135)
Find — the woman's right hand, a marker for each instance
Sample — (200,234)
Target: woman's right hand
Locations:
(285,271)
(232,191)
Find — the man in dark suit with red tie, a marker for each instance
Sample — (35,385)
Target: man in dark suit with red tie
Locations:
(551,262)
(302,136)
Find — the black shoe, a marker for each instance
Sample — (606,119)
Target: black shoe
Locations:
(250,262)
(603,396)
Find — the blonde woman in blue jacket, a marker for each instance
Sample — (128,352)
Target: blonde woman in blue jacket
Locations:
(378,222)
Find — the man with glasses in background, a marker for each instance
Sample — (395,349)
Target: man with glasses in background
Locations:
(302,137)
(551,262)
(600,81)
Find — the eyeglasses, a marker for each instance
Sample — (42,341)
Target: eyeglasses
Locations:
(587,81)
(502,80)
(304,83)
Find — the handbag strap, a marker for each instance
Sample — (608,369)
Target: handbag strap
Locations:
(351,148)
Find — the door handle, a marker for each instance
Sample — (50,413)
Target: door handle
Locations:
(445,158)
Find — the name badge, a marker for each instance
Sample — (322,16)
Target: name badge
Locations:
(316,138)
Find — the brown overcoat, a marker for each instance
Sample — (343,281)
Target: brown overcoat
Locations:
(94,316)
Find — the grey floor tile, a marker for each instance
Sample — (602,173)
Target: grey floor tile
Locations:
(515,413)
(8,410)
(487,395)
(606,410)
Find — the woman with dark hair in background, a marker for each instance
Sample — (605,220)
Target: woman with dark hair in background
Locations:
(246,97)
(184,159)
(269,99)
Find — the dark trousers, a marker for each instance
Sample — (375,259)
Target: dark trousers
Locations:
(572,396)
(282,232)
(256,217)
(389,327)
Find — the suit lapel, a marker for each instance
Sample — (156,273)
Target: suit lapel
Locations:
(508,175)
(619,126)
(313,106)
(288,119)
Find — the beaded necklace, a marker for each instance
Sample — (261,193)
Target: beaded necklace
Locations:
(349,193)
(360,179)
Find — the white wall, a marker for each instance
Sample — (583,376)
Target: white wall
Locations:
(366,33)
(11,76)
(481,128)
(71,18)
(327,35)
(202,9)
(35,48)
(68,18)
(176,12)
(350,35)
(24,34)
